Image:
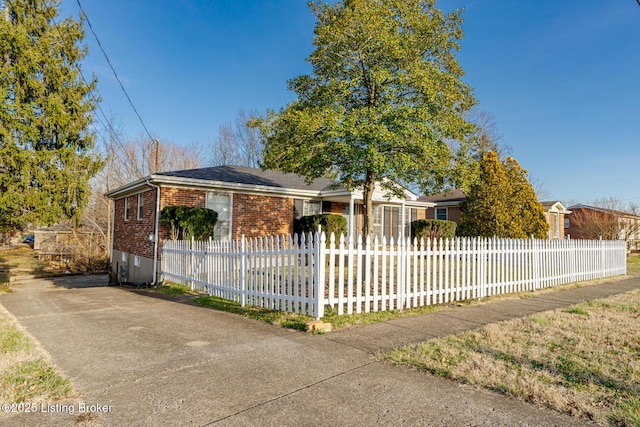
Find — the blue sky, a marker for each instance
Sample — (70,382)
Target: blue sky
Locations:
(561,77)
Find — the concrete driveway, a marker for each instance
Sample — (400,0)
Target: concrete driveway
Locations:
(148,361)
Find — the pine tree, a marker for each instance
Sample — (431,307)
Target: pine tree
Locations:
(502,203)
(46,145)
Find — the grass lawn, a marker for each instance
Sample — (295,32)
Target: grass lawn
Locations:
(583,360)
(298,321)
(25,374)
(22,260)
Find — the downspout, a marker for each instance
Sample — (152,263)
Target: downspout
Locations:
(155,232)
(112,220)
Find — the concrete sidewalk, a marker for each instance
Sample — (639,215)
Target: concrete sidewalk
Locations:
(388,335)
(155,362)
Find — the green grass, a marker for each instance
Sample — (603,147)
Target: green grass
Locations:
(633,265)
(583,361)
(274,317)
(25,374)
(170,288)
(33,380)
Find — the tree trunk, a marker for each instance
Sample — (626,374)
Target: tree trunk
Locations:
(367,195)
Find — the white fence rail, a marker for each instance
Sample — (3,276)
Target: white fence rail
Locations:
(304,274)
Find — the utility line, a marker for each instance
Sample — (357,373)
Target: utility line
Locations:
(113,69)
(112,133)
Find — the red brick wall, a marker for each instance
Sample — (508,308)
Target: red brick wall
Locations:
(182,197)
(170,196)
(256,216)
(132,236)
(453,213)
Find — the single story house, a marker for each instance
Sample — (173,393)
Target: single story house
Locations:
(249,202)
(447,207)
(594,222)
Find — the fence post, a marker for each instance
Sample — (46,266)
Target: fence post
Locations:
(535,253)
(192,273)
(400,266)
(243,271)
(602,258)
(318,286)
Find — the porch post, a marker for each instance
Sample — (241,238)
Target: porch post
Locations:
(351,218)
(403,222)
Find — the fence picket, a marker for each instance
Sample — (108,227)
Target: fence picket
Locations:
(304,273)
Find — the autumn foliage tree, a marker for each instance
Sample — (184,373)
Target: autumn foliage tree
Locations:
(502,203)
(384,95)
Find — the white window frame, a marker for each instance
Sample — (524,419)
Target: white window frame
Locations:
(127,208)
(225,215)
(140,205)
(446,214)
(378,222)
(311,207)
(136,261)
(124,257)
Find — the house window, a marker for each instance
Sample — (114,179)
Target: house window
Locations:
(410,215)
(310,207)
(127,209)
(441,213)
(140,204)
(222,204)
(378,221)
(124,257)
(136,261)
(566,223)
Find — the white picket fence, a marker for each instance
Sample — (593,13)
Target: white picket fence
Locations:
(306,274)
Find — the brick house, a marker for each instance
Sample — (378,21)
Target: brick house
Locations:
(447,207)
(249,202)
(557,216)
(594,222)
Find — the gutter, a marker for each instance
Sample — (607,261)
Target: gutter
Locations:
(155,231)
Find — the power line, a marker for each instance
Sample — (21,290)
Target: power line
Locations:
(113,135)
(86,17)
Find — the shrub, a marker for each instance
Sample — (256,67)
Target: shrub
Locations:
(186,222)
(329,223)
(433,229)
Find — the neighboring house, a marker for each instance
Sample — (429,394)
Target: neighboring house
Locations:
(447,207)
(593,222)
(62,240)
(249,202)
(557,217)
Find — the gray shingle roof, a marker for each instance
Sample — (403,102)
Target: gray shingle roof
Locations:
(453,195)
(252,176)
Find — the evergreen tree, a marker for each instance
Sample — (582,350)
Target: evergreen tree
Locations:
(384,96)
(46,146)
(502,203)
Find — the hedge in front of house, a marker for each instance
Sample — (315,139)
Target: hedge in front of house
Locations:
(329,223)
(187,222)
(433,229)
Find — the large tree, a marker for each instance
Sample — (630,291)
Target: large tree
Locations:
(46,156)
(502,203)
(384,96)
(237,144)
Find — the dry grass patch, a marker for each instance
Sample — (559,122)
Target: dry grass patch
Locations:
(583,361)
(25,373)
